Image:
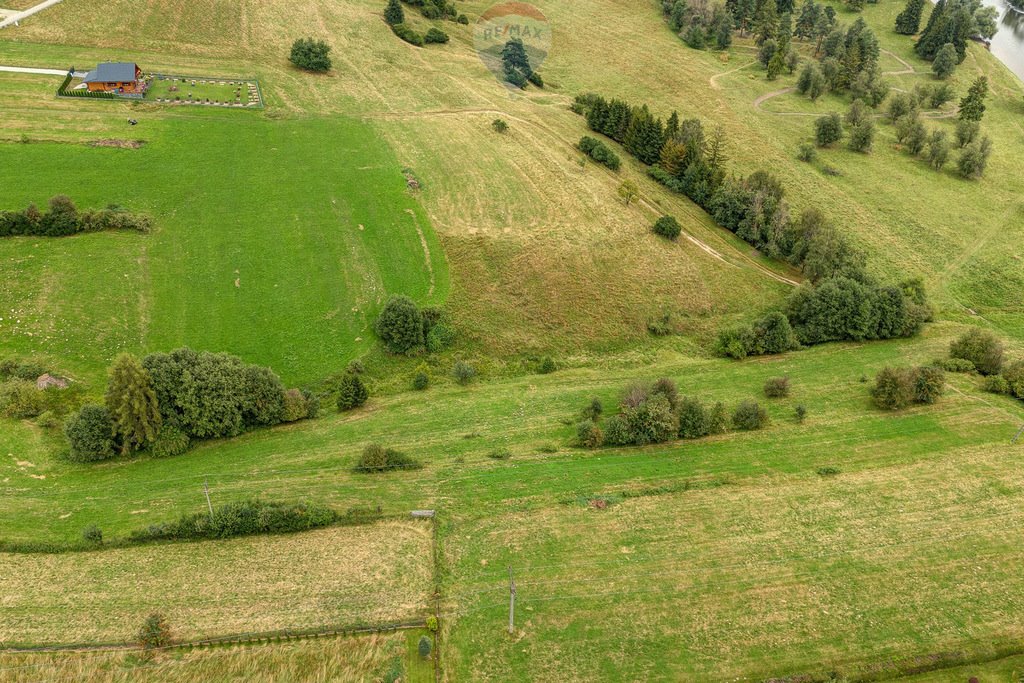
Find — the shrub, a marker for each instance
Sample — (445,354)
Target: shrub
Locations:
(800,412)
(400,325)
(376,458)
(420,381)
(92,534)
(431,624)
(499,125)
(693,419)
(435,35)
(170,441)
(352,393)
(893,389)
(535,78)
(862,136)
(749,415)
(294,406)
(997,384)
(982,348)
(807,152)
(929,383)
(588,434)
(828,471)
(440,337)
(20,399)
(776,387)
(652,421)
(717,419)
(1014,376)
(424,647)
(828,130)
(547,366)
(463,19)
(499,454)
(955,365)
(47,420)
(90,433)
(616,431)
(599,152)
(463,372)
(406,33)
(154,632)
(593,410)
(771,334)
(312,404)
(668,227)
(244,518)
(735,342)
(311,55)
(393,13)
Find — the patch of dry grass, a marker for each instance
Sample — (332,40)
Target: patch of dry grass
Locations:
(341,575)
(337,660)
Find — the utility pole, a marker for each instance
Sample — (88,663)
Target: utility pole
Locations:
(206,490)
(511,602)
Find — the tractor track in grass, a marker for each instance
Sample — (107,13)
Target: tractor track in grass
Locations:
(642,200)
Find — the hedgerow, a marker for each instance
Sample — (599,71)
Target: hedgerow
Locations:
(63,219)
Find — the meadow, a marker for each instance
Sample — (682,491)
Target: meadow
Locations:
(861,542)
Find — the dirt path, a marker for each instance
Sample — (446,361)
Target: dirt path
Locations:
(714,79)
(907,67)
(42,72)
(426,250)
(15,18)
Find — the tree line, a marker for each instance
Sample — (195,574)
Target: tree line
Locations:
(63,218)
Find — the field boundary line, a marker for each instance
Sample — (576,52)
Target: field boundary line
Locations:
(257,637)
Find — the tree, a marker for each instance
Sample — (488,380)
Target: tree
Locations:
(862,136)
(463,372)
(311,55)
(857,113)
(982,348)
(516,64)
(154,633)
(828,129)
(723,32)
(766,21)
(776,64)
(909,20)
(928,384)
(811,82)
(668,227)
(628,192)
(90,433)
(400,325)
(893,389)
(750,415)
(499,126)
(393,13)
(966,132)
(972,106)
(938,149)
(352,393)
(132,404)
(974,158)
(792,60)
(424,647)
(945,61)
(767,51)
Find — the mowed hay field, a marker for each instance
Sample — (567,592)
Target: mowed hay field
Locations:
(342,576)
(327,660)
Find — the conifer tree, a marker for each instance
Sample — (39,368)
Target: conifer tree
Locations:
(909,20)
(352,393)
(945,61)
(972,106)
(393,13)
(766,21)
(132,404)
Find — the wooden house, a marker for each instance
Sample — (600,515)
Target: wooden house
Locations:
(114,77)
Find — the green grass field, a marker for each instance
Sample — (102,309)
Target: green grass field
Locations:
(730,558)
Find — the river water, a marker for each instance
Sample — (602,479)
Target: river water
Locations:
(1008,43)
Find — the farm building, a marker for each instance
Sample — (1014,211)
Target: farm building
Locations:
(114,77)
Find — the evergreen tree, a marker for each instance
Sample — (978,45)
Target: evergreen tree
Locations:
(766,21)
(945,61)
(785,34)
(723,32)
(672,126)
(352,393)
(743,14)
(909,20)
(972,106)
(393,13)
(809,12)
(132,404)
(775,65)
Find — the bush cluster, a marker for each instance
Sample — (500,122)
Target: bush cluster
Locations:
(311,55)
(377,458)
(172,399)
(63,218)
(240,519)
(776,387)
(408,34)
(981,348)
(668,227)
(599,152)
(404,327)
(657,413)
(770,335)
(896,388)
